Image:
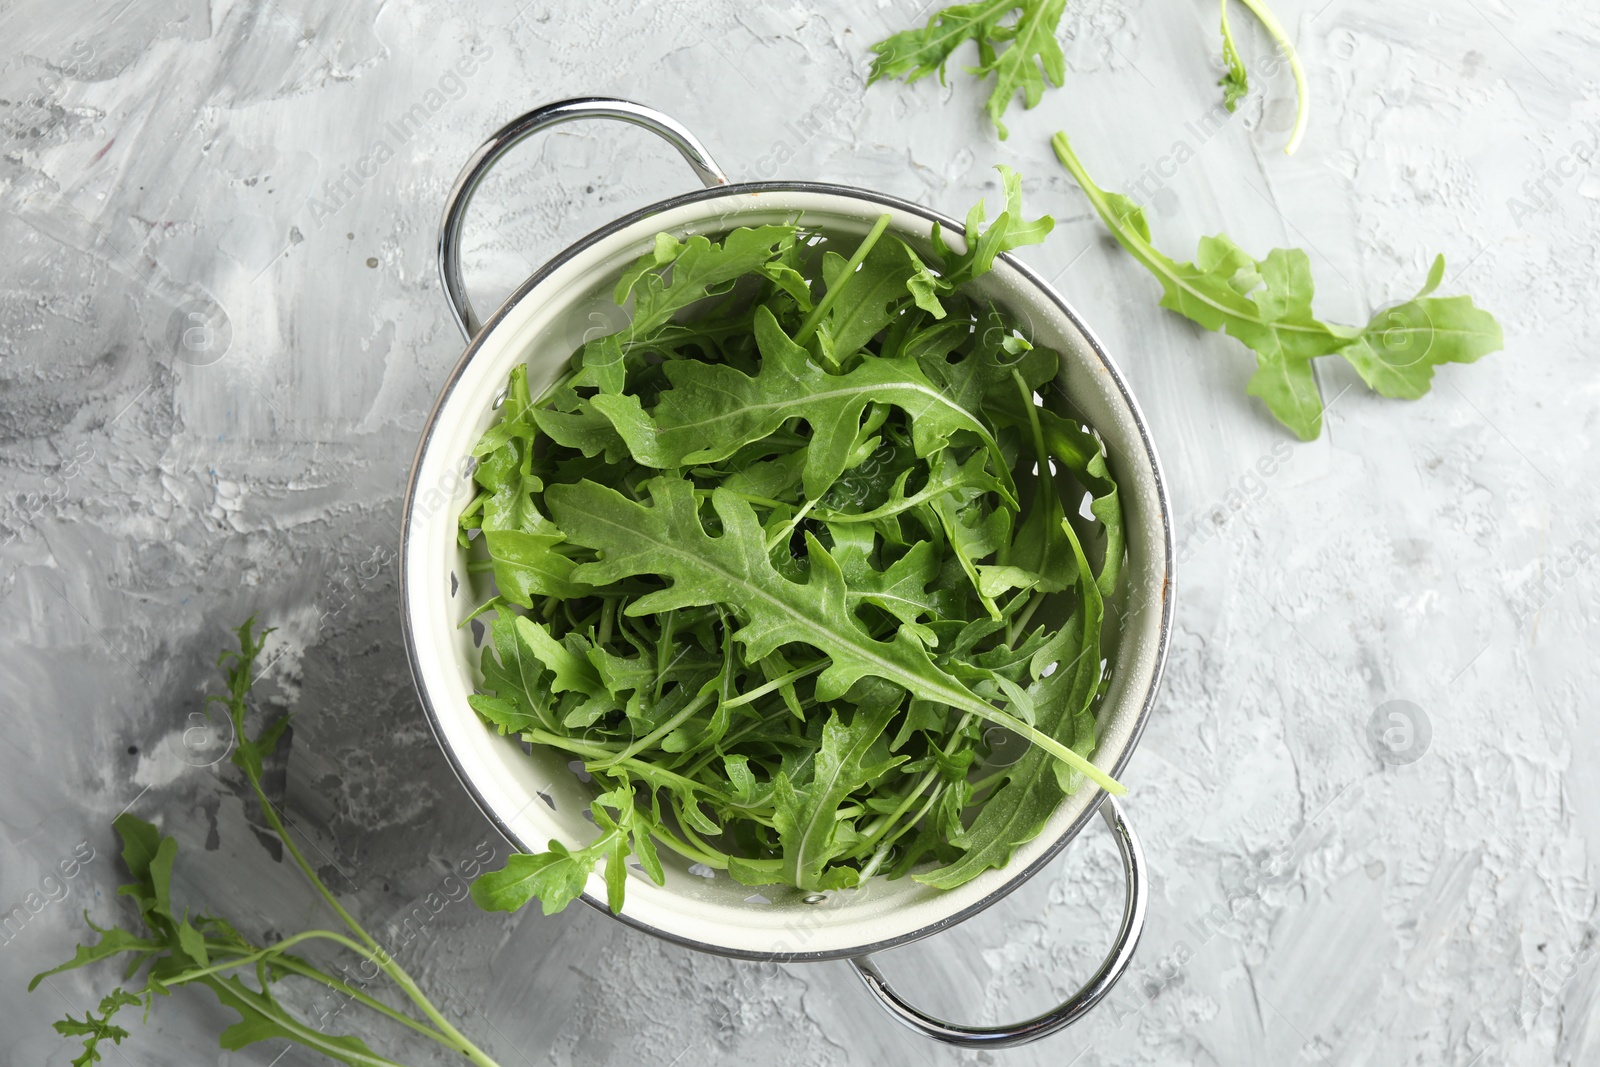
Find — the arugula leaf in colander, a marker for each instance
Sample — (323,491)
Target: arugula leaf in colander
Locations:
(791,562)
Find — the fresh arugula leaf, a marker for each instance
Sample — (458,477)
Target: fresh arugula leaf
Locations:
(1397,351)
(557,876)
(94,1030)
(852,755)
(1023,54)
(529,564)
(1266,304)
(698,269)
(712,411)
(984,242)
(113,942)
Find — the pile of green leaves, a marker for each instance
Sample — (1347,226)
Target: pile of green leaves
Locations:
(785,562)
(1266,304)
(173,950)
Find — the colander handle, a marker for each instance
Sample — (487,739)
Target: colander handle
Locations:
(513,132)
(1057,1018)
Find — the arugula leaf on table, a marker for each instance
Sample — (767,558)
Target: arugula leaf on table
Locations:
(1022,54)
(1266,304)
(1396,351)
(1025,56)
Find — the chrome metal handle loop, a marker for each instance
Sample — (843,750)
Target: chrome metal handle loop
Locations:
(1057,1018)
(508,136)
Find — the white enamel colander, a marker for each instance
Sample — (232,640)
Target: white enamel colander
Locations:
(533,796)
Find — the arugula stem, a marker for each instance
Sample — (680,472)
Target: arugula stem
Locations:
(270,811)
(268,953)
(882,825)
(275,954)
(787,530)
(965,700)
(887,843)
(777,683)
(378,955)
(710,857)
(809,325)
(412,990)
(763,501)
(1270,23)
(890,509)
(397,974)
(684,714)
(1140,248)
(306,971)
(733,735)
(690,834)
(984,782)
(663,648)
(299,1031)
(647,772)
(576,745)
(1021,621)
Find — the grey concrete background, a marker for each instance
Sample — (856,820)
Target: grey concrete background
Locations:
(1312,903)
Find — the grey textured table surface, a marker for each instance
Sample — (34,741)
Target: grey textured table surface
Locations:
(165,157)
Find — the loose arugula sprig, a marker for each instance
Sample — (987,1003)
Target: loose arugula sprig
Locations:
(1266,304)
(172,950)
(94,1030)
(770,567)
(1023,54)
